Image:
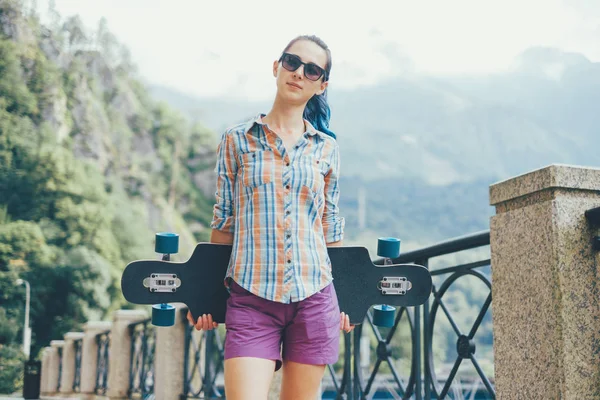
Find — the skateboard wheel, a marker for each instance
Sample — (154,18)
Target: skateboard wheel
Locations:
(388,247)
(163,315)
(166,243)
(384,315)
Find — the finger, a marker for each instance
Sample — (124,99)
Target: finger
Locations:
(205,322)
(200,323)
(192,321)
(341,321)
(348,322)
(210,321)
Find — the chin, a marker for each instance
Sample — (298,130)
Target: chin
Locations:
(292,96)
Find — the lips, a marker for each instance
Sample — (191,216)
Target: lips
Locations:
(295,85)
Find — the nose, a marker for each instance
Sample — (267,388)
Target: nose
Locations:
(299,72)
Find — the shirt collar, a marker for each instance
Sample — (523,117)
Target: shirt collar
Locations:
(257,119)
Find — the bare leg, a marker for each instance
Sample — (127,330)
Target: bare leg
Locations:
(301,381)
(248,378)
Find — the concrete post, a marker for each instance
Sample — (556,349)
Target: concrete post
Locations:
(54,365)
(169,357)
(89,354)
(68,362)
(44,386)
(120,352)
(545,285)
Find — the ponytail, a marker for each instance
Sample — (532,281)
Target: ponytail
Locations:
(317,112)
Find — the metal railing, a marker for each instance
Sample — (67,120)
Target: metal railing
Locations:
(435,385)
(77,377)
(405,363)
(203,364)
(60,354)
(103,342)
(143,345)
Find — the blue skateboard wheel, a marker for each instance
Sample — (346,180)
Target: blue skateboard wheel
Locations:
(384,315)
(166,243)
(163,315)
(388,247)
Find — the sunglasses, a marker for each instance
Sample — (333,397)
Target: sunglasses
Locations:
(292,62)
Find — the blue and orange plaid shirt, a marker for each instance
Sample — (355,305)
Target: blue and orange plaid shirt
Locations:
(281,207)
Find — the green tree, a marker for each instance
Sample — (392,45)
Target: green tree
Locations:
(15,97)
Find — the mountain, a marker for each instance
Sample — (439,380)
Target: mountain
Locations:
(561,90)
(443,130)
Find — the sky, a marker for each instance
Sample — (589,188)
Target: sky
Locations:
(226,48)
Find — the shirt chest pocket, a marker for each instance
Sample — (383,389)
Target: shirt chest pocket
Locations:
(258,168)
(314,178)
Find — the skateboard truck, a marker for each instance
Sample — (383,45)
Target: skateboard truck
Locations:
(162,283)
(394,285)
(164,314)
(384,315)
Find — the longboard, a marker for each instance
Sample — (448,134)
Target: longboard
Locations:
(198,282)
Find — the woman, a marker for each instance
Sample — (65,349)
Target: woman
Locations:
(277,204)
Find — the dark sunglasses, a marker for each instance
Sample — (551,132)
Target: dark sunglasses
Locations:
(292,62)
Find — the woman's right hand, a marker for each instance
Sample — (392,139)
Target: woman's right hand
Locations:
(205,322)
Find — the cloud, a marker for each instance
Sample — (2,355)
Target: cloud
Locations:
(208,49)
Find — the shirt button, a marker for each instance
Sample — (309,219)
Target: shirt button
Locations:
(287,187)
(289,261)
(287,212)
(287,164)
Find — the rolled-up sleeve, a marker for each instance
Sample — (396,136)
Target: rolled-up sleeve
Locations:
(333,223)
(226,171)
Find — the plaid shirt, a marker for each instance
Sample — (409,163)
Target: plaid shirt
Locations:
(282,208)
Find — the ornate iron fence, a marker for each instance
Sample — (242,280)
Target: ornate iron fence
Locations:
(103,342)
(77,378)
(416,358)
(143,344)
(436,384)
(203,365)
(60,354)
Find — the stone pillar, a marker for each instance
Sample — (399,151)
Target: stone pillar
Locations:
(169,357)
(54,365)
(120,352)
(89,354)
(68,362)
(545,285)
(44,387)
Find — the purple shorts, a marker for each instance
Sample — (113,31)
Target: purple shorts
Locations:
(306,332)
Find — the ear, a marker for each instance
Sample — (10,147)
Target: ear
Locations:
(324,85)
(275,68)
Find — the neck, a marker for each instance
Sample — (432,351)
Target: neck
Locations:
(285,118)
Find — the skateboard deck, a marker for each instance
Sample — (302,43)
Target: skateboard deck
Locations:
(198,282)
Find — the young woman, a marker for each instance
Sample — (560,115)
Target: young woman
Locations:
(277,204)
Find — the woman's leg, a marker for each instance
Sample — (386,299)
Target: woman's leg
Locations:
(248,378)
(252,344)
(301,381)
(311,341)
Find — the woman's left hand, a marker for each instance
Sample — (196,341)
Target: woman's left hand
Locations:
(345,323)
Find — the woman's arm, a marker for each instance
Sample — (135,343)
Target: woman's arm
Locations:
(333,223)
(217,236)
(223,220)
